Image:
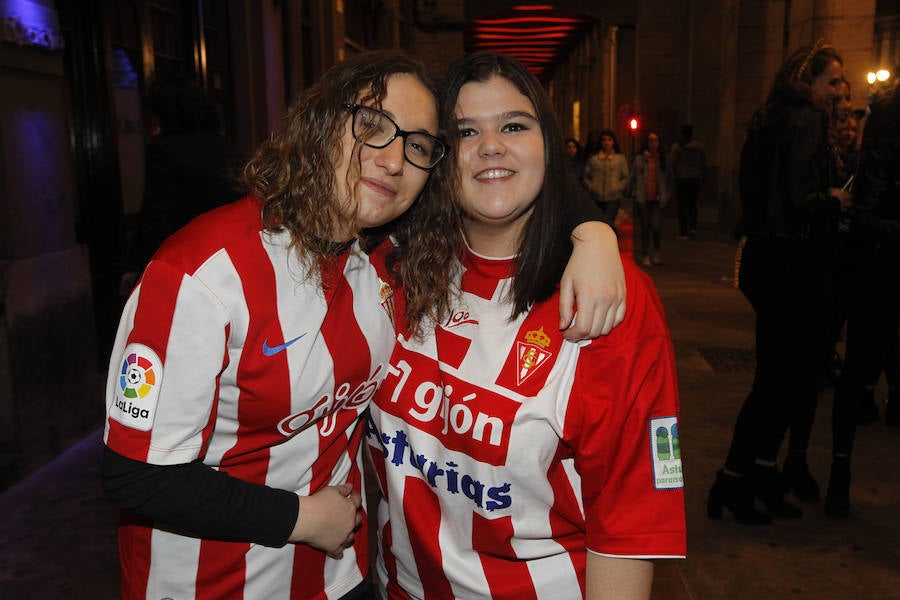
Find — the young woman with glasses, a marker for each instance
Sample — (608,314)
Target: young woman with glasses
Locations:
(258,333)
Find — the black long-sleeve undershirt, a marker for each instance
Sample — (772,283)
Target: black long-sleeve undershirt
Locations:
(201,501)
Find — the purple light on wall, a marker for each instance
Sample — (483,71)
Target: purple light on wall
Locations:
(29,24)
(123,73)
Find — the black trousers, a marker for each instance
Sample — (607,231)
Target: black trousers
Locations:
(610,208)
(686,192)
(648,218)
(790,288)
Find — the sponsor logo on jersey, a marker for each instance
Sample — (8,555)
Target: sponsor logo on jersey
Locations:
(326,409)
(137,393)
(460,316)
(441,474)
(532,353)
(386,293)
(665,450)
(273,350)
(465,417)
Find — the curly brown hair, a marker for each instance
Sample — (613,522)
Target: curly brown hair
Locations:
(292,174)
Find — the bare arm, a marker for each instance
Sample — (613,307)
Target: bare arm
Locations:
(618,578)
(595,280)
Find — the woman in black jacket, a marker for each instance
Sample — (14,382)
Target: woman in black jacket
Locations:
(874,304)
(788,230)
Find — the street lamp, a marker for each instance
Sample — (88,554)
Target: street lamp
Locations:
(880,75)
(880,85)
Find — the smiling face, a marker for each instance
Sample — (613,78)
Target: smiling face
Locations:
(826,84)
(386,184)
(847,131)
(501,163)
(843,104)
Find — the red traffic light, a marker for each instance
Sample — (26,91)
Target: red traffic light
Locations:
(634,124)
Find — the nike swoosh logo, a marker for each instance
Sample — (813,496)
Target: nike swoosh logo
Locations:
(273,350)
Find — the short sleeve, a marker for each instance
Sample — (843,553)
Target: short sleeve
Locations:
(163,376)
(623,426)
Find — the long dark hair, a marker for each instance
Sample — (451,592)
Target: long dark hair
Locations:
(292,174)
(646,146)
(609,133)
(545,246)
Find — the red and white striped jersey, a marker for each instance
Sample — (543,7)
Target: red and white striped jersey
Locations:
(226,352)
(505,453)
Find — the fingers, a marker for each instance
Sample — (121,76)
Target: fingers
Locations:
(355,500)
(566,306)
(601,321)
(329,519)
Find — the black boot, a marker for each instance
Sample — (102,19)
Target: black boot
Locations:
(799,479)
(768,485)
(837,498)
(735,494)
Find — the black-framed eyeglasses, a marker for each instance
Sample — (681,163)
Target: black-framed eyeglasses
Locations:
(376,130)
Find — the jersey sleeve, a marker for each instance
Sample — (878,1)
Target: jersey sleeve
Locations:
(163,376)
(623,427)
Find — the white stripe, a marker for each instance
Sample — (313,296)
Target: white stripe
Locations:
(173,566)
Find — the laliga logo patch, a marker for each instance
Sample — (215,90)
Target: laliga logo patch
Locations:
(665,448)
(532,353)
(138,390)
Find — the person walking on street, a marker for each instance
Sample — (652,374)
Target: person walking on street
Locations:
(651,195)
(687,161)
(606,175)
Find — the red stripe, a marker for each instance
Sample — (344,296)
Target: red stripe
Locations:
(221,570)
(135,534)
(308,574)
(269,378)
(423,516)
(152,324)
(506,575)
(390,563)
(352,362)
(453,348)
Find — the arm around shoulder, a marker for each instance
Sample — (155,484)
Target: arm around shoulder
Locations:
(594,280)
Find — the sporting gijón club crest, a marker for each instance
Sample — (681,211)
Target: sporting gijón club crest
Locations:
(532,353)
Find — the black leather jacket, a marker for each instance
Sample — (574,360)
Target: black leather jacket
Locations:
(876,197)
(786,169)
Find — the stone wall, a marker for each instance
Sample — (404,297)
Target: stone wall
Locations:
(49,385)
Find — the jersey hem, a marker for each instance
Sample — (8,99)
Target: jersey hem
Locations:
(638,556)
